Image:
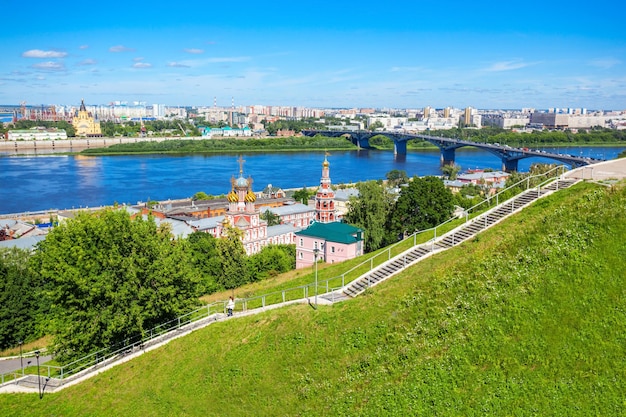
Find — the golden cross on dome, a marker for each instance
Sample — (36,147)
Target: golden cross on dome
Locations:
(241,161)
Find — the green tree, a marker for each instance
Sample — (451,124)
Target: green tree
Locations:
(381,141)
(376,125)
(425,203)
(369,211)
(272,260)
(22,304)
(272,219)
(303,195)
(234,271)
(200,195)
(206,259)
(395,177)
(68,127)
(113,278)
(450,171)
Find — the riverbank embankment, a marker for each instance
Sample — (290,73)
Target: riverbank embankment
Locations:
(77,144)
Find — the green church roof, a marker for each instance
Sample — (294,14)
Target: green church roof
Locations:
(333,232)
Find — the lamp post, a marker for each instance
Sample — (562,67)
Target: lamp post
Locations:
(38,375)
(21,357)
(316,252)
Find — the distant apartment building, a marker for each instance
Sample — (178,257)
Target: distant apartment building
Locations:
(429,124)
(574,120)
(387,121)
(471,117)
(506,120)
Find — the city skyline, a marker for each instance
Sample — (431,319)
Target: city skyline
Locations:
(325,55)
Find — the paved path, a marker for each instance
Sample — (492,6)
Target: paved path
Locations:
(602,171)
(14,364)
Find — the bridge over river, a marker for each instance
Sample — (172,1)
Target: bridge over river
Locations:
(509,155)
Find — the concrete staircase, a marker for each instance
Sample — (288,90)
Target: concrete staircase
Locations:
(449,240)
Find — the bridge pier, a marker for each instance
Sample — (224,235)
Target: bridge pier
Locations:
(399,147)
(363,143)
(447,156)
(509,165)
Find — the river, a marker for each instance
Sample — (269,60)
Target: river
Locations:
(40,182)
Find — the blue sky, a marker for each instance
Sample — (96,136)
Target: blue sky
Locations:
(402,54)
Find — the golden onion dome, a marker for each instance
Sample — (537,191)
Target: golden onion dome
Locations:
(232,197)
(250,197)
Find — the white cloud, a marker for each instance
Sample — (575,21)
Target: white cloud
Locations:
(142,65)
(138,59)
(120,48)
(194,51)
(88,62)
(178,65)
(83,47)
(507,66)
(49,66)
(38,53)
(605,63)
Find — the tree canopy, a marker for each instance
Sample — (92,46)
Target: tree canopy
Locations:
(271,218)
(395,177)
(369,211)
(425,203)
(303,195)
(113,278)
(233,259)
(22,301)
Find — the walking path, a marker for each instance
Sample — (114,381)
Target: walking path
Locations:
(609,170)
(14,363)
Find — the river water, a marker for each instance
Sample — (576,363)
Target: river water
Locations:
(39,182)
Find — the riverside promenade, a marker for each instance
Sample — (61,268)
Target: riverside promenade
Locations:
(76,144)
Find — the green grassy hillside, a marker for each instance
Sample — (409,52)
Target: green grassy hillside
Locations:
(528,318)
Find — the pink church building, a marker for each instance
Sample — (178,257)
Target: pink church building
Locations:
(327,239)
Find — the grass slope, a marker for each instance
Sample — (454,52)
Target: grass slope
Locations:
(528,318)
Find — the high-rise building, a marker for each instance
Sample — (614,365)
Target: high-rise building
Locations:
(468,116)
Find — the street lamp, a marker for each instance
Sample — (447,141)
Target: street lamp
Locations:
(316,252)
(21,358)
(38,375)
